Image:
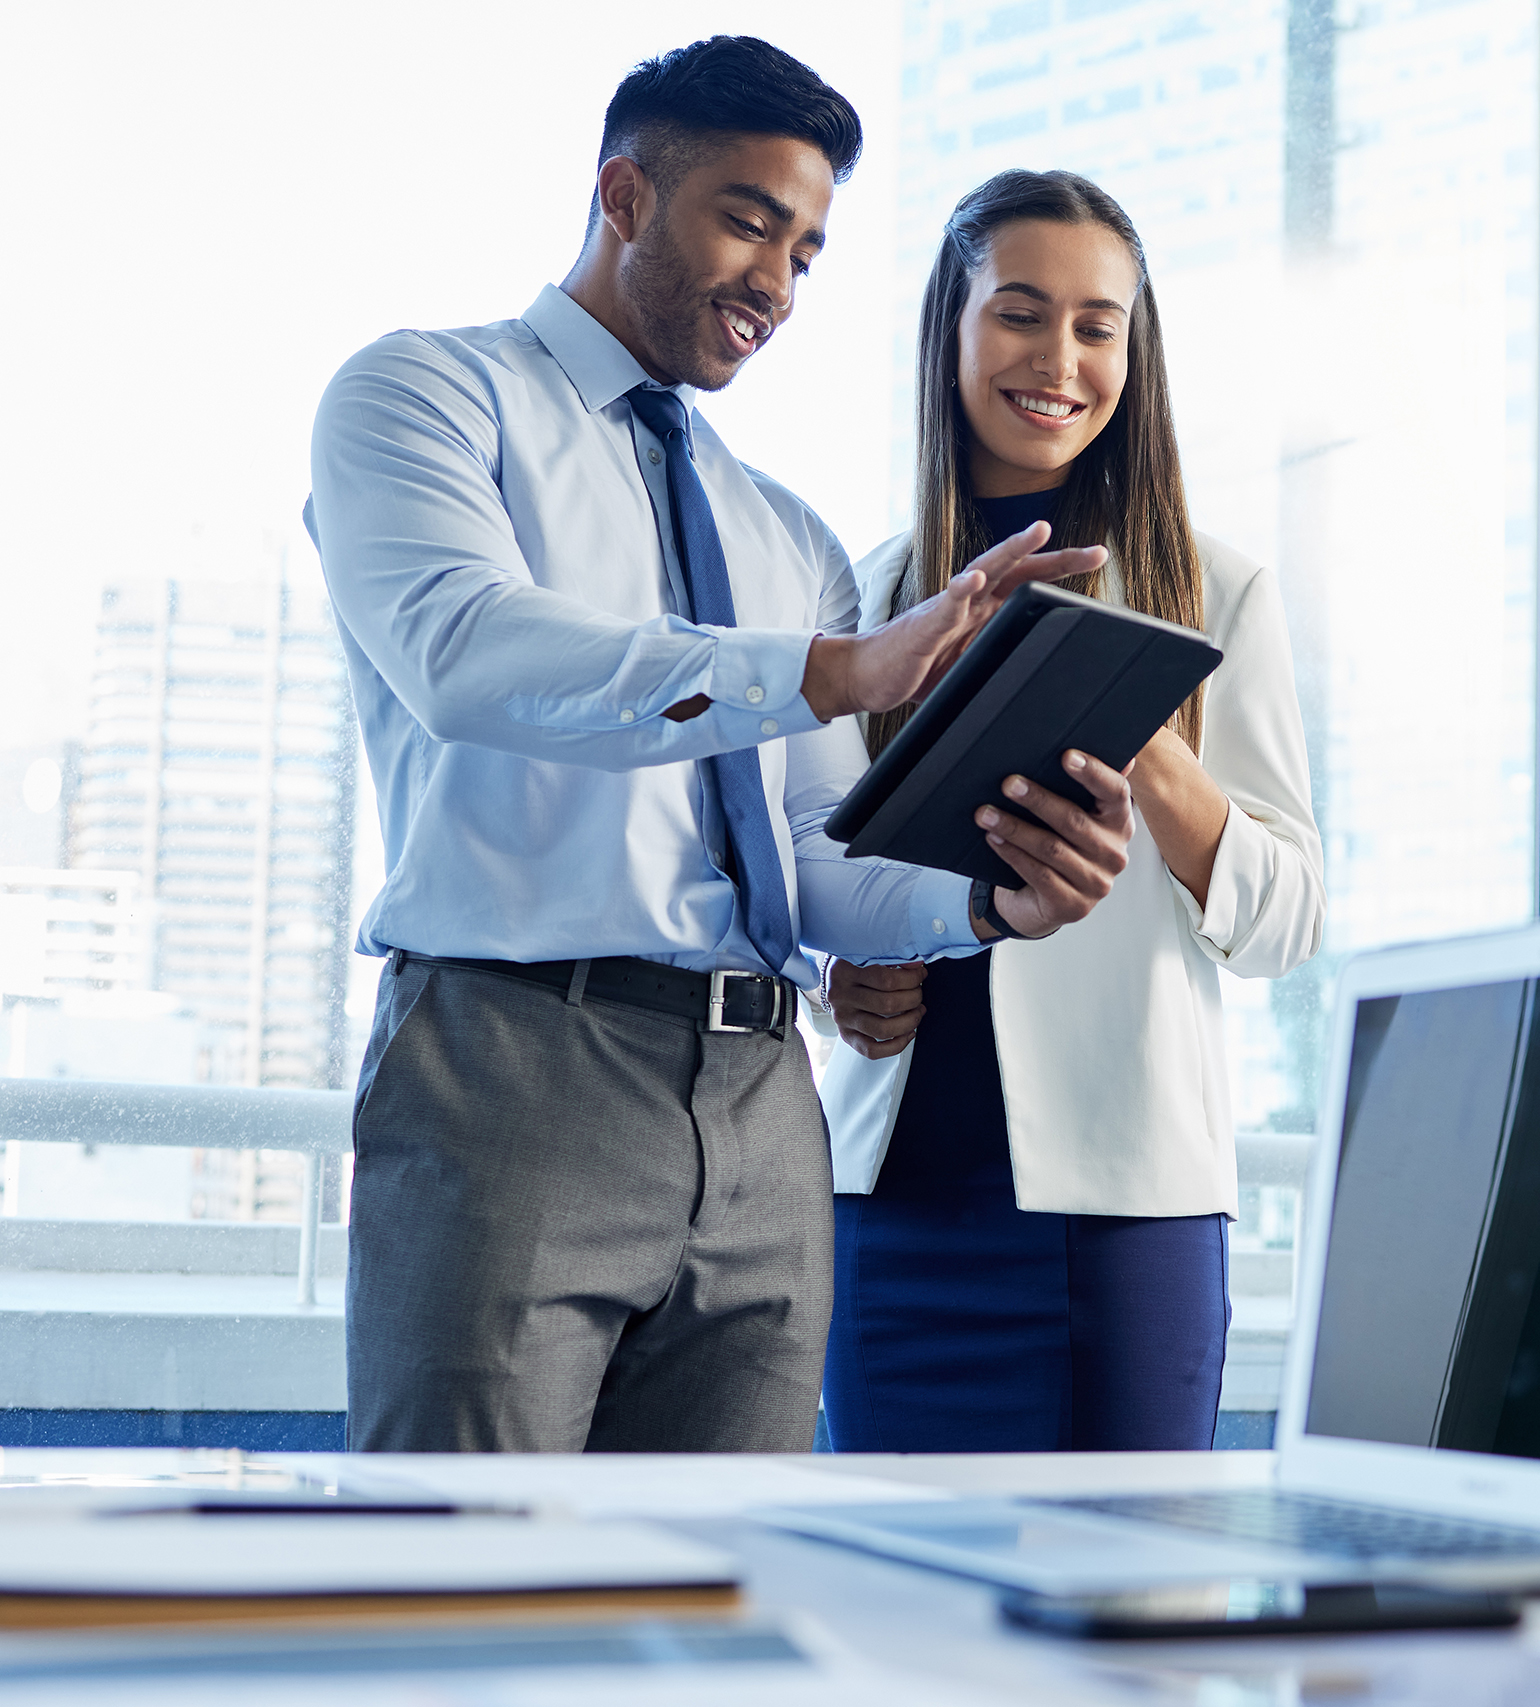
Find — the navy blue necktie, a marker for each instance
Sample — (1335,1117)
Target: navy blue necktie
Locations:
(740,785)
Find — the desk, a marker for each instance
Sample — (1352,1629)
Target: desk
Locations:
(925,1622)
(930,1626)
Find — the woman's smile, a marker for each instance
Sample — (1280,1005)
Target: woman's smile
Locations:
(1049,410)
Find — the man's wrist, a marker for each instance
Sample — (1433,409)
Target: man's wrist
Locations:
(826,679)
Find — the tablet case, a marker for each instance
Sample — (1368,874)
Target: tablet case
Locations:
(1050,670)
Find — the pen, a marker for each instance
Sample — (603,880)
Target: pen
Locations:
(326,1508)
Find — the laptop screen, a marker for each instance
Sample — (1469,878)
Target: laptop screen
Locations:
(1430,1316)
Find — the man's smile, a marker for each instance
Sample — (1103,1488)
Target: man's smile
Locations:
(744,329)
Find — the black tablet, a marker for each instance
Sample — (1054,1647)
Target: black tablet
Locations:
(1050,670)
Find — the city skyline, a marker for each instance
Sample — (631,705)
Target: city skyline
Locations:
(1318,202)
(200,933)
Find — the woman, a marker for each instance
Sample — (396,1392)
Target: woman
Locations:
(1033,1153)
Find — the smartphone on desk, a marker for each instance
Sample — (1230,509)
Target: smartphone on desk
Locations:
(1251,1607)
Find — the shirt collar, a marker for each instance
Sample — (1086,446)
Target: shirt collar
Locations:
(600,367)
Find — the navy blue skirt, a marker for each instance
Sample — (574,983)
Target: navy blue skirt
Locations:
(963,1324)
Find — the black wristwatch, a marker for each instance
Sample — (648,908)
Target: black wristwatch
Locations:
(982,903)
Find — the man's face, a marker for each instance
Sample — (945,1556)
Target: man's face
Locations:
(715,271)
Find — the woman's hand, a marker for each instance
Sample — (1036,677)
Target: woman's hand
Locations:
(877,1008)
(1184,808)
(1069,860)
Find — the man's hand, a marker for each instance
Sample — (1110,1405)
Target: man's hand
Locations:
(1069,866)
(877,1008)
(905,658)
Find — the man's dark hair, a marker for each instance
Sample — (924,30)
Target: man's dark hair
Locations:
(727,85)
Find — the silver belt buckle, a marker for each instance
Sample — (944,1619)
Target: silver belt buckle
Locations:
(717,1000)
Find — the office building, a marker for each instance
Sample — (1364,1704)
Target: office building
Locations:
(73,1006)
(218,766)
(72,999)
(66,933)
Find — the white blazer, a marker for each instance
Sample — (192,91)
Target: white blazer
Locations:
(1110,1034)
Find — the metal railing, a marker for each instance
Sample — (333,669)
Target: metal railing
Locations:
(311,1124)
(314,1124)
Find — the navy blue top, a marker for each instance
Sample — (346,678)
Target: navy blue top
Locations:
(950,1137)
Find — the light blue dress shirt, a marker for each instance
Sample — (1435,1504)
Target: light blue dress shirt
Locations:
(494,528)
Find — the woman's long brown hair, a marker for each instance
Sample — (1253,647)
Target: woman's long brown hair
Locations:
(1124,490)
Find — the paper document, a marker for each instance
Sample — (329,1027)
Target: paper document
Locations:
(45,1481)
(343,1554)
(791,1662)
(622,1484)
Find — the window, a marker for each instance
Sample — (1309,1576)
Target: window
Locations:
(216,205)
(1339,210)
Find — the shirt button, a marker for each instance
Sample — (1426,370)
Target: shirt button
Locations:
(769,726)
(938,926)
(628,715)
(655,456)
(754,694)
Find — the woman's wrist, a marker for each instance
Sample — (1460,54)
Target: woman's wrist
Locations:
(1162,761)
(1183,809)
(986,917)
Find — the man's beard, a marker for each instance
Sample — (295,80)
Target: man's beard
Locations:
(670,308)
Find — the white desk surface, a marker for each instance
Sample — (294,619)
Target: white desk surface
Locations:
(931,1626)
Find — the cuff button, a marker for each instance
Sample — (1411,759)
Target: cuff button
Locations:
(754,695)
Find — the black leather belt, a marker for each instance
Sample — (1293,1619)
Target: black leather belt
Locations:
(717,1001)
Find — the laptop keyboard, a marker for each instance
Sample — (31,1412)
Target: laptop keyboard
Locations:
(1316,1525)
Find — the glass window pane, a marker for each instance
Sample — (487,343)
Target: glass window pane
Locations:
(1339,208)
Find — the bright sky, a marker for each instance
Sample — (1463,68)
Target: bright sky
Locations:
(207,208)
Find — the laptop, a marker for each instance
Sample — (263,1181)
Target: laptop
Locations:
(1408,1434)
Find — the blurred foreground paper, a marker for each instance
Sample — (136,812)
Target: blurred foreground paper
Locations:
(179,1567)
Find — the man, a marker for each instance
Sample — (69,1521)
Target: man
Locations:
(604,675)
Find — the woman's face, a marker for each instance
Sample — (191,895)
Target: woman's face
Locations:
(1042,351)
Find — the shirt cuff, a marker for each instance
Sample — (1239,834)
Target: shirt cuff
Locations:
(756,683)
(938,916)
(1244,864)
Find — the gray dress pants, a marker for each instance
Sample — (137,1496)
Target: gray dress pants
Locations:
(581,1226)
